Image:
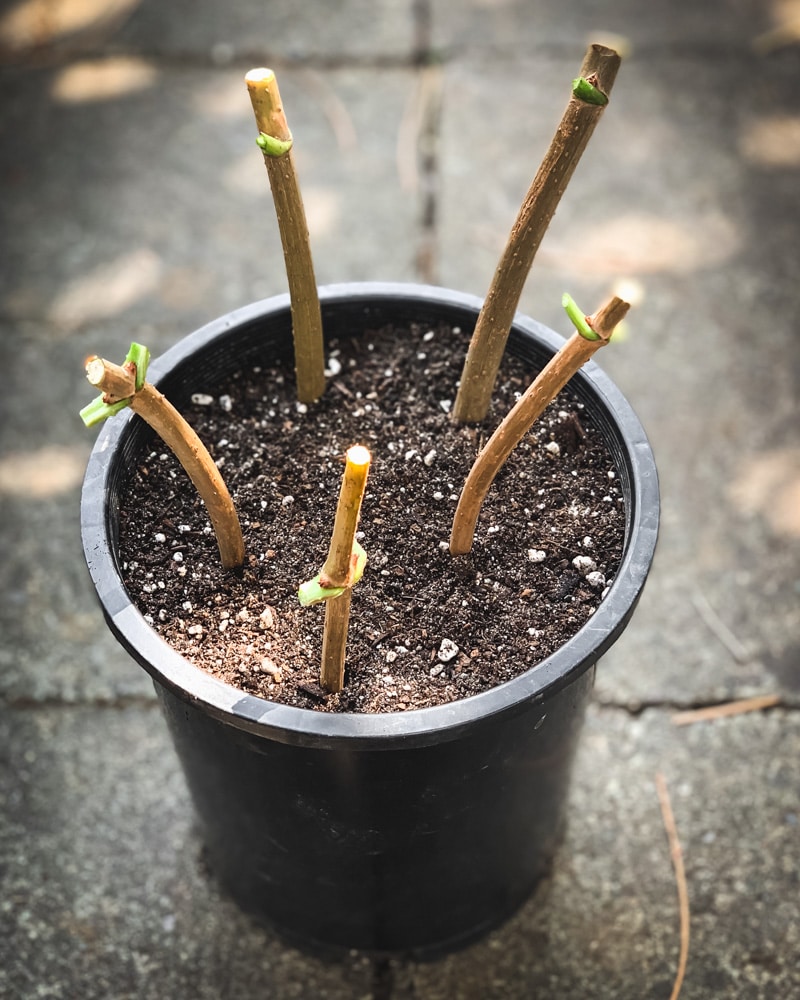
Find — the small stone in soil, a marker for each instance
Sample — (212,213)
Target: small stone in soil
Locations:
(447,651)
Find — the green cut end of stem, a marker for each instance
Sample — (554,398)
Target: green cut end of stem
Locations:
(578,317)
(270,146)
(588,93)
(312,591)
(97,410)
(139,356)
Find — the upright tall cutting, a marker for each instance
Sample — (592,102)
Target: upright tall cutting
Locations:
(589,97)
(275,142)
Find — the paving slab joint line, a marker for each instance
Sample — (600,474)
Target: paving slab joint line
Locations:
(27,703)
(637,708)
(240,58)
(424,53)
(631,708)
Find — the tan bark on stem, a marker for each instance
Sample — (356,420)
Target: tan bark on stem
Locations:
(488,342)
(338,568)
(190,451)
(265,97)
(518,421)
(306,315)
(116,382)
(334,641)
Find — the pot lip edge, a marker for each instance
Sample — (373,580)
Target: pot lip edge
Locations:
(415,727)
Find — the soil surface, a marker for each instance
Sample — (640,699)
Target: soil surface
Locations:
(425,628)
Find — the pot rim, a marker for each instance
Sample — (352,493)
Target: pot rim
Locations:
(417,727)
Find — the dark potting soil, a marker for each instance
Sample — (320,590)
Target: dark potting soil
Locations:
(425,628)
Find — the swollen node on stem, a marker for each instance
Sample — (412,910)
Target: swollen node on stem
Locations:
(341,571)
(275,142)
(588,98)
(592,333)
(126,385)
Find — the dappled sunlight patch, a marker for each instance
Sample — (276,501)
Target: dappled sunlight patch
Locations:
(108,290)
(102,79)
(768,485)
(47,472)
(641,243)
(246,176)
(785,30)
(221,99)
(322,207)
(185,288)
(31,23)
(629,290)
(772,141)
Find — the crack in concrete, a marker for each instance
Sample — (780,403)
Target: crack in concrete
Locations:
(229,58)
(635,708)
(427,117)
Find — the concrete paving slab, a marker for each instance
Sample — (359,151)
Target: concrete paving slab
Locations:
(105,890)
(280,30)
(156,212)
(513,25)
(207,32)
(106,893)
(56,646)
(606,924)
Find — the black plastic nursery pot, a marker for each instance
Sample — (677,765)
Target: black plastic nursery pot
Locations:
(412,832)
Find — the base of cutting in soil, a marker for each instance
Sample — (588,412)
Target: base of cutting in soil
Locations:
(425,628)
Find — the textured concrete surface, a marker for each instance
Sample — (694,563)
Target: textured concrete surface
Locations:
(133,205)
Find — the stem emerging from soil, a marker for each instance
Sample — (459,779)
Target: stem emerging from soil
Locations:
(334,641)
(598,72)
(123,385)
(530,406)
(341,570)
(275,141)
